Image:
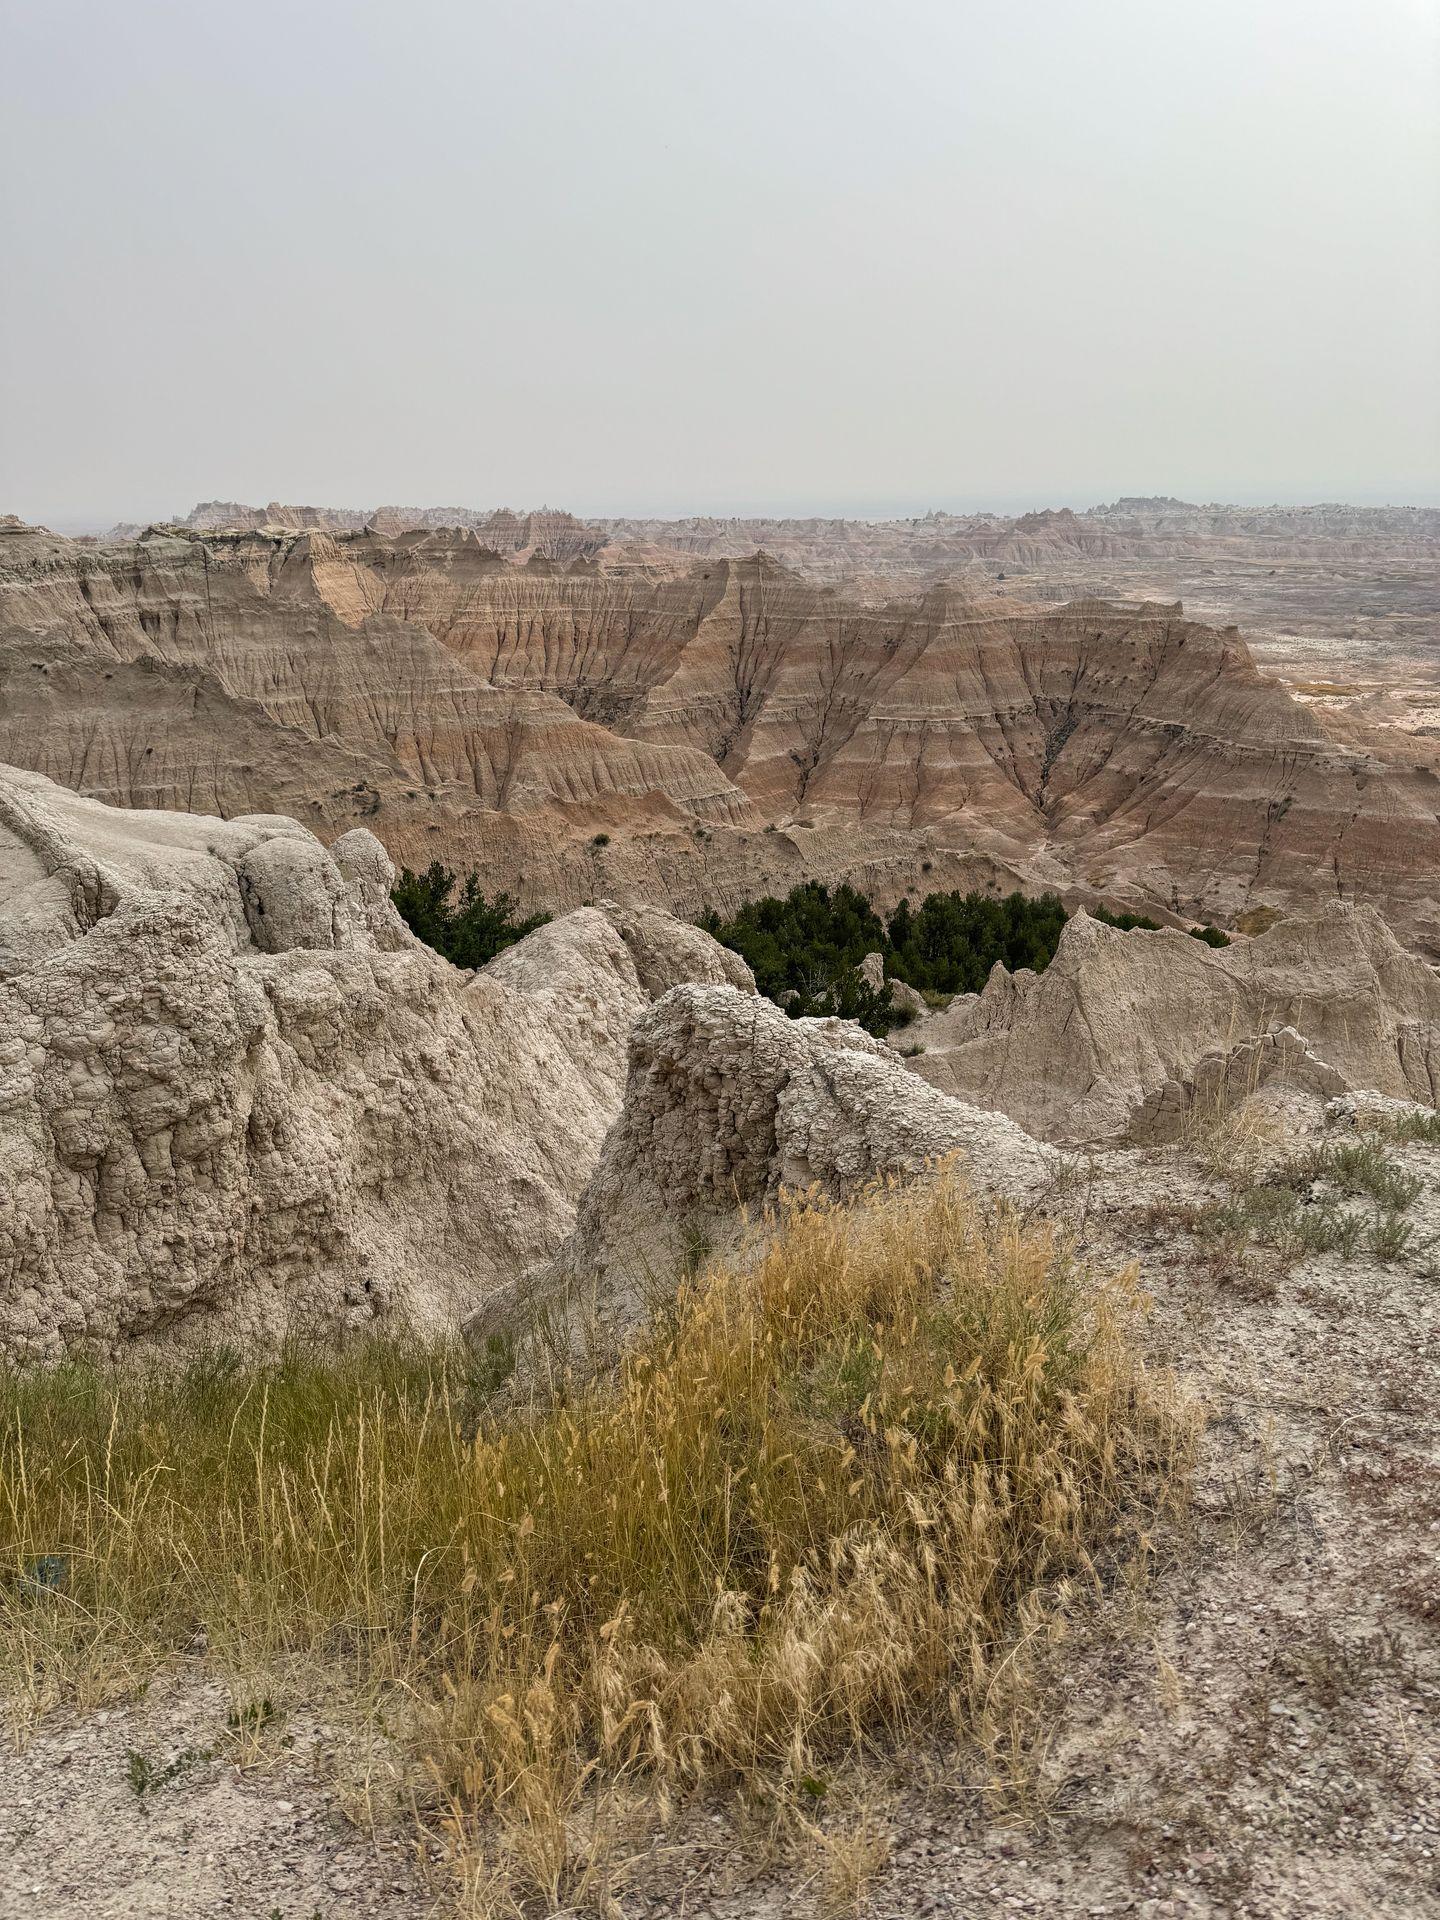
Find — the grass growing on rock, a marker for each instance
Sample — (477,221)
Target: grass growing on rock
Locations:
(821,1506)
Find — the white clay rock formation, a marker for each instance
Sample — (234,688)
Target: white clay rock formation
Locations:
(728,1104)
(238,1100)
(1124,1031)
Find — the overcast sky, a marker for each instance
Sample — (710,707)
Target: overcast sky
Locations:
(763,255)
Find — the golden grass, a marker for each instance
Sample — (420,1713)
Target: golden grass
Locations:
(1257,920)
(1232,1137)
(820,1507)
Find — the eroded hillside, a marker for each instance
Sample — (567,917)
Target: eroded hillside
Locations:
(576,731)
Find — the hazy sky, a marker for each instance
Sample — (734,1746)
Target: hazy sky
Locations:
(769,255)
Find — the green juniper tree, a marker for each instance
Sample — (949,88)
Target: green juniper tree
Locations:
(805,950)
(470,931)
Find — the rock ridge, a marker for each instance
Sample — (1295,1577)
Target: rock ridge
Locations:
(701,738)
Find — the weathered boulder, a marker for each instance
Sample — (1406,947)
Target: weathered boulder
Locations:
(729,1102)
(667,952)
(369,874)
(903,997)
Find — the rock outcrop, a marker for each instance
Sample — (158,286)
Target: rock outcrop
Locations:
(728,1103)
(1124,1032)
(238,1101)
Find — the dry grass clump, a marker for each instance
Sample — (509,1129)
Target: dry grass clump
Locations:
(815,1509)
(1232,1142)
(1257,920)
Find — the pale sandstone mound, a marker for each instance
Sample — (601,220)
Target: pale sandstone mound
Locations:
(238,1100)
(728,1103)
(1124,1031)
(650,948)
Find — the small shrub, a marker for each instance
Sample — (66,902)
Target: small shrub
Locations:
(1212,936)
(143,1777)
(601,840)
(1264,1213)
(250,1717)
(469,932)
(1363,1166)
(1391,1238)
(1422,1128)
(1329,1228)
(1269,1210)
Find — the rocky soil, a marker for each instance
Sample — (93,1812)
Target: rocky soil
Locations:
(154,1809)
(1251,1729)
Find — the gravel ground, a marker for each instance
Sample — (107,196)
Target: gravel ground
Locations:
(144,1812)
(1252,1733)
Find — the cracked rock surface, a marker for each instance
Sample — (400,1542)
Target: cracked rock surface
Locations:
(238,1100)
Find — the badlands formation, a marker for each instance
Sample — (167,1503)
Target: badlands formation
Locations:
(1340,596)
(239,1102)
(695,734)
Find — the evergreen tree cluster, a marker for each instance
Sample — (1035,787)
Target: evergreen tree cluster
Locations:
(1126,922)
(950,942)
(805,950)
(468,931)
(1131,922)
